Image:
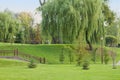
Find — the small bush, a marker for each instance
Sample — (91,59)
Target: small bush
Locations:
(71,58)
(79,59)
(94,55)
(62,57)
(114,67)
(85,65)
(106,57)
(32,64)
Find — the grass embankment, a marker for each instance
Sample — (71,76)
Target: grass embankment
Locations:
(50,52)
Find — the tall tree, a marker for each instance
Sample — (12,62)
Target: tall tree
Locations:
(8,26)
(37,38)
(26,23)
(109,14)
(2,28)
(65,20)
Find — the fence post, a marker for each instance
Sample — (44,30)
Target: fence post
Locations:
(3,53)
(40,60)
(14,52)
(44,60)
(17,51)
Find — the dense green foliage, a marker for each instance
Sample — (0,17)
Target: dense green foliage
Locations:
(71,57)
(25,28)
(111,40)
(112,30)
(18,28)
(109,14)
(61,57)
(65,20)
(118,29)
(85,65)
(32,64)
(106,56)
(8,26)
(62,22)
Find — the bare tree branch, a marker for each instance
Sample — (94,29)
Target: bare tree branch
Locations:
(42,3)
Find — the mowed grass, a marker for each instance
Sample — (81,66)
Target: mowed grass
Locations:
(58,72)
(11,62)
(18,70)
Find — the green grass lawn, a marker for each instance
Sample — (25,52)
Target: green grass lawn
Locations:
(18,70)
(57,72)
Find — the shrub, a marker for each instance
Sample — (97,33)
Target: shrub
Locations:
(32,64)
(114,67)
(61,58)
(71,58)
(111,40)
(106,57)
(79,59)
(85,65)
(82,54)
(113,55)
(94,55)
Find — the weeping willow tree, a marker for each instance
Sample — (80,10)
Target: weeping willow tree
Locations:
(65,20)
(8,26)
(95,28)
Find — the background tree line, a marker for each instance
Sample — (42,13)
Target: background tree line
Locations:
(18,28)
(63,21)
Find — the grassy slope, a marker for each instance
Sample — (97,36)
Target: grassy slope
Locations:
(50,52)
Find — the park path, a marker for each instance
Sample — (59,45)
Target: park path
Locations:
(13,57)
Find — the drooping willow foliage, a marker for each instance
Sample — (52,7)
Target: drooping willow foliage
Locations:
(7,26)
(18,28)
(66,20)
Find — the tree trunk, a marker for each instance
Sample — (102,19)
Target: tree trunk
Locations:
(54,40)
(88,42)
(90,45)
